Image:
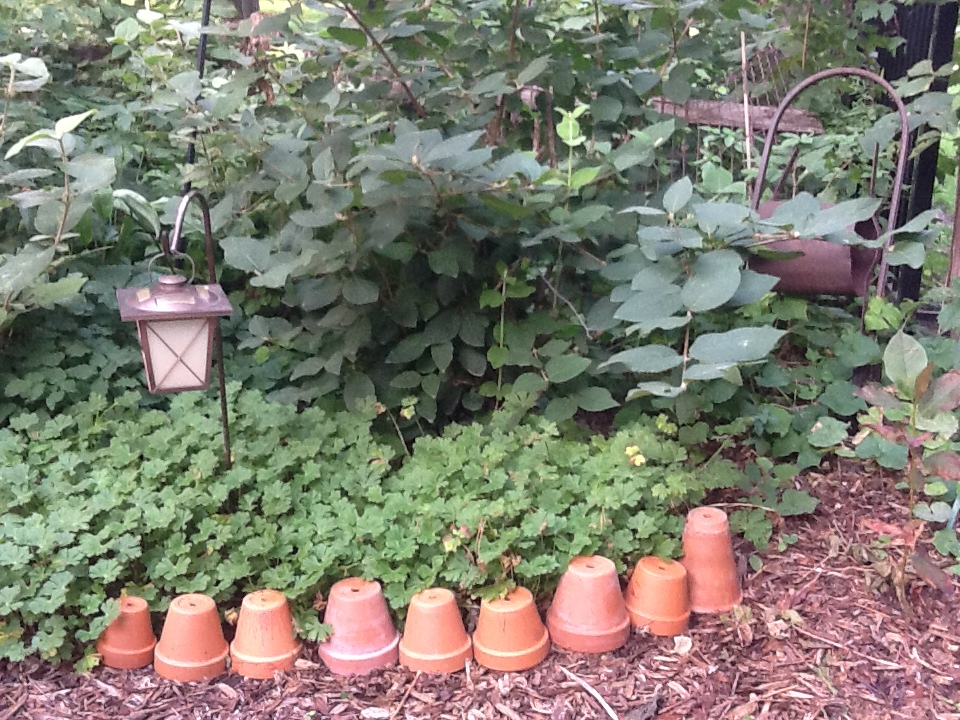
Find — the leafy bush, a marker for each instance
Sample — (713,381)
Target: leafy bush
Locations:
(109,498)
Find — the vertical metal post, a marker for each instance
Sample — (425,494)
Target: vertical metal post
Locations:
(201,65)
(174,248)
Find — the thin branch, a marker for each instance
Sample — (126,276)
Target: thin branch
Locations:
(386,56)
(673,49)
(596,696)
(576,314)
(396,710)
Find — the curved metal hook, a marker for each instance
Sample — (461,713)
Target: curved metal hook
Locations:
(901,160)
(176,236)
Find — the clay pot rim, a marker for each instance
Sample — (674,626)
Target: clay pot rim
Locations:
(324,647)
(158,657)
(260,660)
(533,650)
(443,664)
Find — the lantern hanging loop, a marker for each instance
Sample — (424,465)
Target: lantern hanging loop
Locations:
(174,257)
(172,246)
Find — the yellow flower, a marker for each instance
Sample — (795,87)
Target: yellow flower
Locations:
(638,460)
(632,450)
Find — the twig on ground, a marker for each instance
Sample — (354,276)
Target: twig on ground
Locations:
(596,696)
(871,658)
(396,710)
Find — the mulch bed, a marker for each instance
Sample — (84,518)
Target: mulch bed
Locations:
(820,635)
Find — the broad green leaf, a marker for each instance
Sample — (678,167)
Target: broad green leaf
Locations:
(715,279)
(47,294)
(530,383)
(69,124)
(840,399)
(827,432)
(533,70)
(903,361)
(651,306)
(678,195)
(594,399)
(20,271)
(606,109)
(707,371)
(453,147)
(408,349)
(907,253)
(565,367)
(646,359)
(246,253)
(560,409)
(660,389)
(358,291)
(92,173)
(472,361)
(796,502)
(715,179)
(187,85)
(753,286)
(584,176)
(735,346)
(442,355)
(350,36)
(357,388)
(713,216)
(836,218)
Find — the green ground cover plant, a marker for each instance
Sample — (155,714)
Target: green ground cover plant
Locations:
(109,497)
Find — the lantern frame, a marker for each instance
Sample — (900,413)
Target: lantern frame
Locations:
(172,299)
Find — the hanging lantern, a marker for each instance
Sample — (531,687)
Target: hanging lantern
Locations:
(177,323)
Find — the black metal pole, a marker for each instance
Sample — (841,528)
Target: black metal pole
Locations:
(201,65)
(174,249)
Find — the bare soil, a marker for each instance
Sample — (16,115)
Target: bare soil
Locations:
(821,634)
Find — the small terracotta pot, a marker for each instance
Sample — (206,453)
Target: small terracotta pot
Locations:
(434,639)
(657,597)
(364,638)
(510,636)
(588,614)
(128,641)
(264,643)
(708,557)
(191,645)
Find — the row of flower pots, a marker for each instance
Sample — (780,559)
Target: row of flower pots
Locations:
(589,614)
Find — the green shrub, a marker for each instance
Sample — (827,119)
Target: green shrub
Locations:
(112,497)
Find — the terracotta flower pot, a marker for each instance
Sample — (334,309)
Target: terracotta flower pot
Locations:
(708,557)
(588,614)
(128,641)
(364,638)
(264,643)
(434,639)
(191,645)
(510,636)
(657,597)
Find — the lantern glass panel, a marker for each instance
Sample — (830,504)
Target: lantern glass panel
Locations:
(177,353)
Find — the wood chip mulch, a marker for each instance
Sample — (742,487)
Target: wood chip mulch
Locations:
(821,634)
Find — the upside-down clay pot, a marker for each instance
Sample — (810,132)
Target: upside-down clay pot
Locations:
(191,645)
(657,597)
(708,557)
(588,614)
(364,638)
(510,636)
(434,639)
(128,641)
(264,642)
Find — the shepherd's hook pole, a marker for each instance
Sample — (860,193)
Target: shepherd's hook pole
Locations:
(173,250)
